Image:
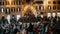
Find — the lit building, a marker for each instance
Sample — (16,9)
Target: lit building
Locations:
(38,7)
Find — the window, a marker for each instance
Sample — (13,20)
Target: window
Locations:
(6,3)
(58,2)
(41,7)
(53,14)
(38,2)
(54,7)
(48,14)
(58,7)
(2,10)
(49,7)
(13,2)
(58,14)
(13,9)
(54,2)
(1,3)
(18,9)
(37,8)
(18,2)
(7,10)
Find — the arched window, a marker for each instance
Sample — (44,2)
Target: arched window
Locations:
(13,9)
(18,9)
(7,10)
(49,7)
(18,2)
(2,10)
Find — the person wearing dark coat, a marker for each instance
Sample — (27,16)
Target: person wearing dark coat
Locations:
(13,19)
(4,20)
(30,29)
(15,31)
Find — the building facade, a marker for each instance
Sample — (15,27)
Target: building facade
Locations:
(38,7)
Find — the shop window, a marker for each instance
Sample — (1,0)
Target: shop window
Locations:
(48,14)
(53,14)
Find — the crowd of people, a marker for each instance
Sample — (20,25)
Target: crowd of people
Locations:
(45,25)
